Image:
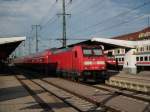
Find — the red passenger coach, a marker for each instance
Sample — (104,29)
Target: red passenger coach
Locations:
(80,61)
(38,61)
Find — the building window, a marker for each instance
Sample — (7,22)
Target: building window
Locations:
(147,48)
(122,51)
(122,59)
(116,59)
(137,58)
(118,51)
(137,49)
(146,58)
(119,59)
(141,49)
(141,58)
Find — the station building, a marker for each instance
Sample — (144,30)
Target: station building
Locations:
(141,52)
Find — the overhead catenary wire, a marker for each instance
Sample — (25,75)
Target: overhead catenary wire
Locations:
(50,21)
(91,7)
(75,6)
(116,25)
(109,19)
(54,19)
(50,9)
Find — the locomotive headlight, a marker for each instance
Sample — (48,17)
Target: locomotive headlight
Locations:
(88,63)
(100,62)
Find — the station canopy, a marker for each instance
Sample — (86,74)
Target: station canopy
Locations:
(107,43)
(8,45)
(112,43)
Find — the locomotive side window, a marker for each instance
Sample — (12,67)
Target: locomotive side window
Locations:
(75,54)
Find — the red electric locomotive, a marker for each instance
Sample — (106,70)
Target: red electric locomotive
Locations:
(80,61)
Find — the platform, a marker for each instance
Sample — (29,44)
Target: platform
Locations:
(14,98)
(139,82)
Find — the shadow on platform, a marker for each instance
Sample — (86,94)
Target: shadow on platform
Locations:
(12,93)
(47,106)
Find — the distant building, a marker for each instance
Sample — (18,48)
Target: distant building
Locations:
(142,52)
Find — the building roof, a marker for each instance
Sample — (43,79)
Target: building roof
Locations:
(132,36)
(113,43)
(107,43)
(11,39)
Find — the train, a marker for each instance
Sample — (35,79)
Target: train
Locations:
(38,61)
(83,62)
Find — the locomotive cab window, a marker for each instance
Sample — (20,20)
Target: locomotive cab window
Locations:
(87,52)
(97,52)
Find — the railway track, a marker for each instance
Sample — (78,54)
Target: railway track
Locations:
(86,98)
(104,98)
(120,91)
(74,103)
(129,93)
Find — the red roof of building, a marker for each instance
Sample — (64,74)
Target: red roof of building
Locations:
(132,36)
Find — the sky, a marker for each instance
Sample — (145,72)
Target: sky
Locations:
(89,18)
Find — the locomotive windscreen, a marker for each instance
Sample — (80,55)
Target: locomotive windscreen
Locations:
(92,52)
